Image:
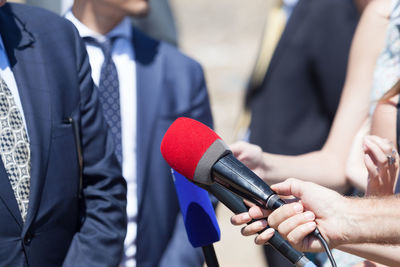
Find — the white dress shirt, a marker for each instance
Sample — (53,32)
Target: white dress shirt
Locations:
(123,56)
(8,77)
(288,6)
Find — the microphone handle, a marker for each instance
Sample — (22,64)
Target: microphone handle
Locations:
(210,256)
(236,205)
(233,175)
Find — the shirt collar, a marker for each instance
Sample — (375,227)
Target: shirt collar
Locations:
(1,44)
(123,29)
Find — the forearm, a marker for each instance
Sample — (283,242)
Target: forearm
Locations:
(384,254)
(371,220)
(327,169)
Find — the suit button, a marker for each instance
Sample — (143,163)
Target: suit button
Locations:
(27,238)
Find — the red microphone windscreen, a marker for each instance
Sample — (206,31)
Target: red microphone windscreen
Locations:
(184,143)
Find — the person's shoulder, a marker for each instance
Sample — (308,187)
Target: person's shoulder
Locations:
(329,6)
(381,8)
(38,19)
(171,55)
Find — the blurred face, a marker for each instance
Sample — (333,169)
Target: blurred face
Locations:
(136,8)
(2,2)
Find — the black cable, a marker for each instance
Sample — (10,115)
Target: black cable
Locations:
(323,242)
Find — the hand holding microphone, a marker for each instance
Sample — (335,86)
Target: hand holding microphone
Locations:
(199,154)
(237,206)
(296,220)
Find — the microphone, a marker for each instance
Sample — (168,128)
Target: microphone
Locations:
(236,205)
(199,217)
(198,153)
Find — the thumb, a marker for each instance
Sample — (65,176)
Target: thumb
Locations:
(290,187)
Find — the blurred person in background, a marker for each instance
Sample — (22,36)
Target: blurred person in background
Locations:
(293,98)
(159,23)
(368,68)
(370,57)
(372,71)
(144,85)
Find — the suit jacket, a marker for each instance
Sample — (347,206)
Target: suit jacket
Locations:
(169,85)
(52,72)
(293,110)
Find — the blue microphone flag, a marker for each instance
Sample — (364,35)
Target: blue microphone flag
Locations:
(197,211)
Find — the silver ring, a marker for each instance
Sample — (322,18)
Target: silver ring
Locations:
(391,158)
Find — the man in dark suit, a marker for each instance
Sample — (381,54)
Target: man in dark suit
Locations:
(156,84)
(50,121)
(293,108)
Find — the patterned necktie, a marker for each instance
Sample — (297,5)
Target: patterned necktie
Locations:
(14,148)
(109,93)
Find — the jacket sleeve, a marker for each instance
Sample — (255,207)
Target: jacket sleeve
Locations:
(179,251)
(100,239)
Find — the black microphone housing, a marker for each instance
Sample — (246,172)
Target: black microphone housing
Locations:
(236,177)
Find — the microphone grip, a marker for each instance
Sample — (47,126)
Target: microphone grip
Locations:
(236,205)
(210,256)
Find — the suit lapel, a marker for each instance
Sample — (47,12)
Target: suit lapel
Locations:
(29,70)
(148,88)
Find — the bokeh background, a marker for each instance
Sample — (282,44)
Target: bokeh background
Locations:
(224,36)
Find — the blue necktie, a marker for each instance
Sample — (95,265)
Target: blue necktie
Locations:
(109,93)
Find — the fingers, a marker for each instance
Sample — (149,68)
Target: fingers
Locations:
(248,153)
(256,212)
(296,237)
(248,203)
(300,233)
(254,227)
(290,221)
(264,237)
(298,220)
(241,149)
(283,213)
(380,150)
(382,161)
(237,148)
(240,219)
(290,187)
(371,167)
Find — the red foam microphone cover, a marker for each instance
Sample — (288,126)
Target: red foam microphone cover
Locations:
(184,143)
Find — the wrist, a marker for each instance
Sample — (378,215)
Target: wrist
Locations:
(267,167)
(348,221)
(357,218)
(336,224)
